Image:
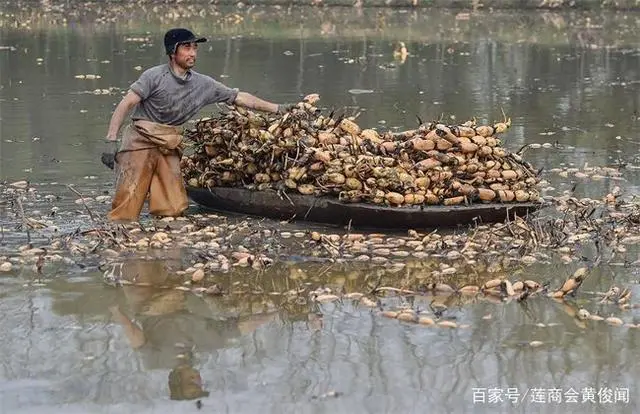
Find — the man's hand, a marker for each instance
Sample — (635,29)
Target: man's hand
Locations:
(108,157)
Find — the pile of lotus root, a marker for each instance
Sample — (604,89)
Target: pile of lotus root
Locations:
(305,152)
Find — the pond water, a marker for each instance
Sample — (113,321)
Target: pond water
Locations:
(70,344)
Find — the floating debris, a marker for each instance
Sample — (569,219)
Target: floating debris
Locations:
(425,320)
(614,321)
(447,324)
(326,298)
(616,295)
(428,261)
(90,77)
(360,91)
(329,394)
(571,285)
(583,314)
(197,276)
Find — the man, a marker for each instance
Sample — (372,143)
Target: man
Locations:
(163,98)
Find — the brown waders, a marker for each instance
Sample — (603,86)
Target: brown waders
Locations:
(148,162)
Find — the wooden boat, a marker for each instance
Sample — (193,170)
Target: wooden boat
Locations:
(328,210)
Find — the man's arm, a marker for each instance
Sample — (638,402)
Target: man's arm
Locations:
(253,102)
(127,103)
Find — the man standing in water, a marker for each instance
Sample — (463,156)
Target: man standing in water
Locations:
(164,97)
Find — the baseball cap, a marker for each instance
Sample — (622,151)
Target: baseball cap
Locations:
(177,36)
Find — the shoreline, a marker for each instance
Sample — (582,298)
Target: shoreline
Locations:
(454,5)
(469,5)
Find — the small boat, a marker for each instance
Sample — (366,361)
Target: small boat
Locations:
(329,210)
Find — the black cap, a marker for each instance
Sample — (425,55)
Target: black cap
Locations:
(174,37)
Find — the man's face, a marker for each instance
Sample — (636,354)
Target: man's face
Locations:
(185,55)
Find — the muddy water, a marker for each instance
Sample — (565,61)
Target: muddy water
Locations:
(70,344)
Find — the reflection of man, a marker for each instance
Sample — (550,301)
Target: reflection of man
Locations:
(170,323)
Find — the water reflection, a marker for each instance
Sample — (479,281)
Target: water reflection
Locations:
(167,327)
(100,347)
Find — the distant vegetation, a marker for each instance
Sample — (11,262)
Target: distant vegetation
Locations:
(451,4)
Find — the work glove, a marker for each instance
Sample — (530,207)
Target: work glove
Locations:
(286,107)
(108,157)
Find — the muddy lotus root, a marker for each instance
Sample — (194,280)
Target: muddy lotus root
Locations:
(306,152)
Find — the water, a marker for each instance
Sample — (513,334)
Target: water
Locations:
(563,79)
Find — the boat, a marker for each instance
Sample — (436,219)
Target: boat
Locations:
(330,211)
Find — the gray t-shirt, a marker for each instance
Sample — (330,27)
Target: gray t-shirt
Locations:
(171,100)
